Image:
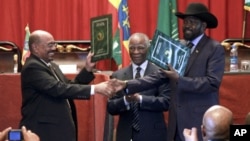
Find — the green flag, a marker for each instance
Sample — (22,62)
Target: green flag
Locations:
(167,21)
(116,48)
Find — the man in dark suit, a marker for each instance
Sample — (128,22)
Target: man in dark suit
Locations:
(198,89)
(152,103)
(46,92)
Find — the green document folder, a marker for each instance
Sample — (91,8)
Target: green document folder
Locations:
(101,37)
(165,50)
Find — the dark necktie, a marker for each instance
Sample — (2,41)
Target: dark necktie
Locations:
(138,74)
(53,71)
(190,44)
(135,106)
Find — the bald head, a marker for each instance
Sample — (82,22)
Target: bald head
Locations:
(37,37)
(42,45)
(216,122)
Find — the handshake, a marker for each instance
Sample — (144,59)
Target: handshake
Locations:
(110,88)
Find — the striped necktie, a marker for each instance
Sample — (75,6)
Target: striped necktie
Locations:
(135,106)
(138,74)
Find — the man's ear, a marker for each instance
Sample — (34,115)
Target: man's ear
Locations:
(34,48)
(203,130)
(204,26)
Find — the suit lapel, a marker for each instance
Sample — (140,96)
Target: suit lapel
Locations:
(58,72)
(128,73)
(195,53)
(149,69)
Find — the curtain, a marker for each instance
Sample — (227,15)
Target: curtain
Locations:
(70,19)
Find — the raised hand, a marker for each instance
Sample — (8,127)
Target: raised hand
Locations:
(89,65)
(190,134)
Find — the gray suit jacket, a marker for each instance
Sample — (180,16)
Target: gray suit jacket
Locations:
(155,102)
(45,109)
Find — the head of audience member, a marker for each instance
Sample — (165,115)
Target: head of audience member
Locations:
(138,47)
(247,121)
(196,19)
(42,45)
(216,123)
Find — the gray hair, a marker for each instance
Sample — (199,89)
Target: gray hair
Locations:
(141,35)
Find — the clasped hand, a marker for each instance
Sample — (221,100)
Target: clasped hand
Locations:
(110,88)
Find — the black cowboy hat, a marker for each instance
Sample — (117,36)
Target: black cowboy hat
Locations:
(200,11)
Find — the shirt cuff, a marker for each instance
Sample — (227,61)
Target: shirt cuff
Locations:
(92,90)
(140,97)
(126,103)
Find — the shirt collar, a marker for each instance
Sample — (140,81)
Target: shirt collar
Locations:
(47,64)
(143,66)
(197,39)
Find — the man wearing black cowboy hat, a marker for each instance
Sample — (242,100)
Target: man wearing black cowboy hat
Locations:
(198,89)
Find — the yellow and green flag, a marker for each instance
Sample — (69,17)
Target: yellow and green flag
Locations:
(121,31)
(26,51)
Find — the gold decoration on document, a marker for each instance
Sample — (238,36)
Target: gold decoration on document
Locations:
(100,36)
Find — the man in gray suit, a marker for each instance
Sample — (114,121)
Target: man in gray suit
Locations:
(152,103)
(198,89)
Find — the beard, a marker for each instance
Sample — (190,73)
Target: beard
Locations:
(191,33)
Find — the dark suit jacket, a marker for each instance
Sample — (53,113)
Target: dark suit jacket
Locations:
(196,91)
(155,102)
(45,109)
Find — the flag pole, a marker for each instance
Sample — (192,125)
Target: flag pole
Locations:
(244,26)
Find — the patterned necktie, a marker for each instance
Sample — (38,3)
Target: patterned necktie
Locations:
(135,106)
(138,74)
